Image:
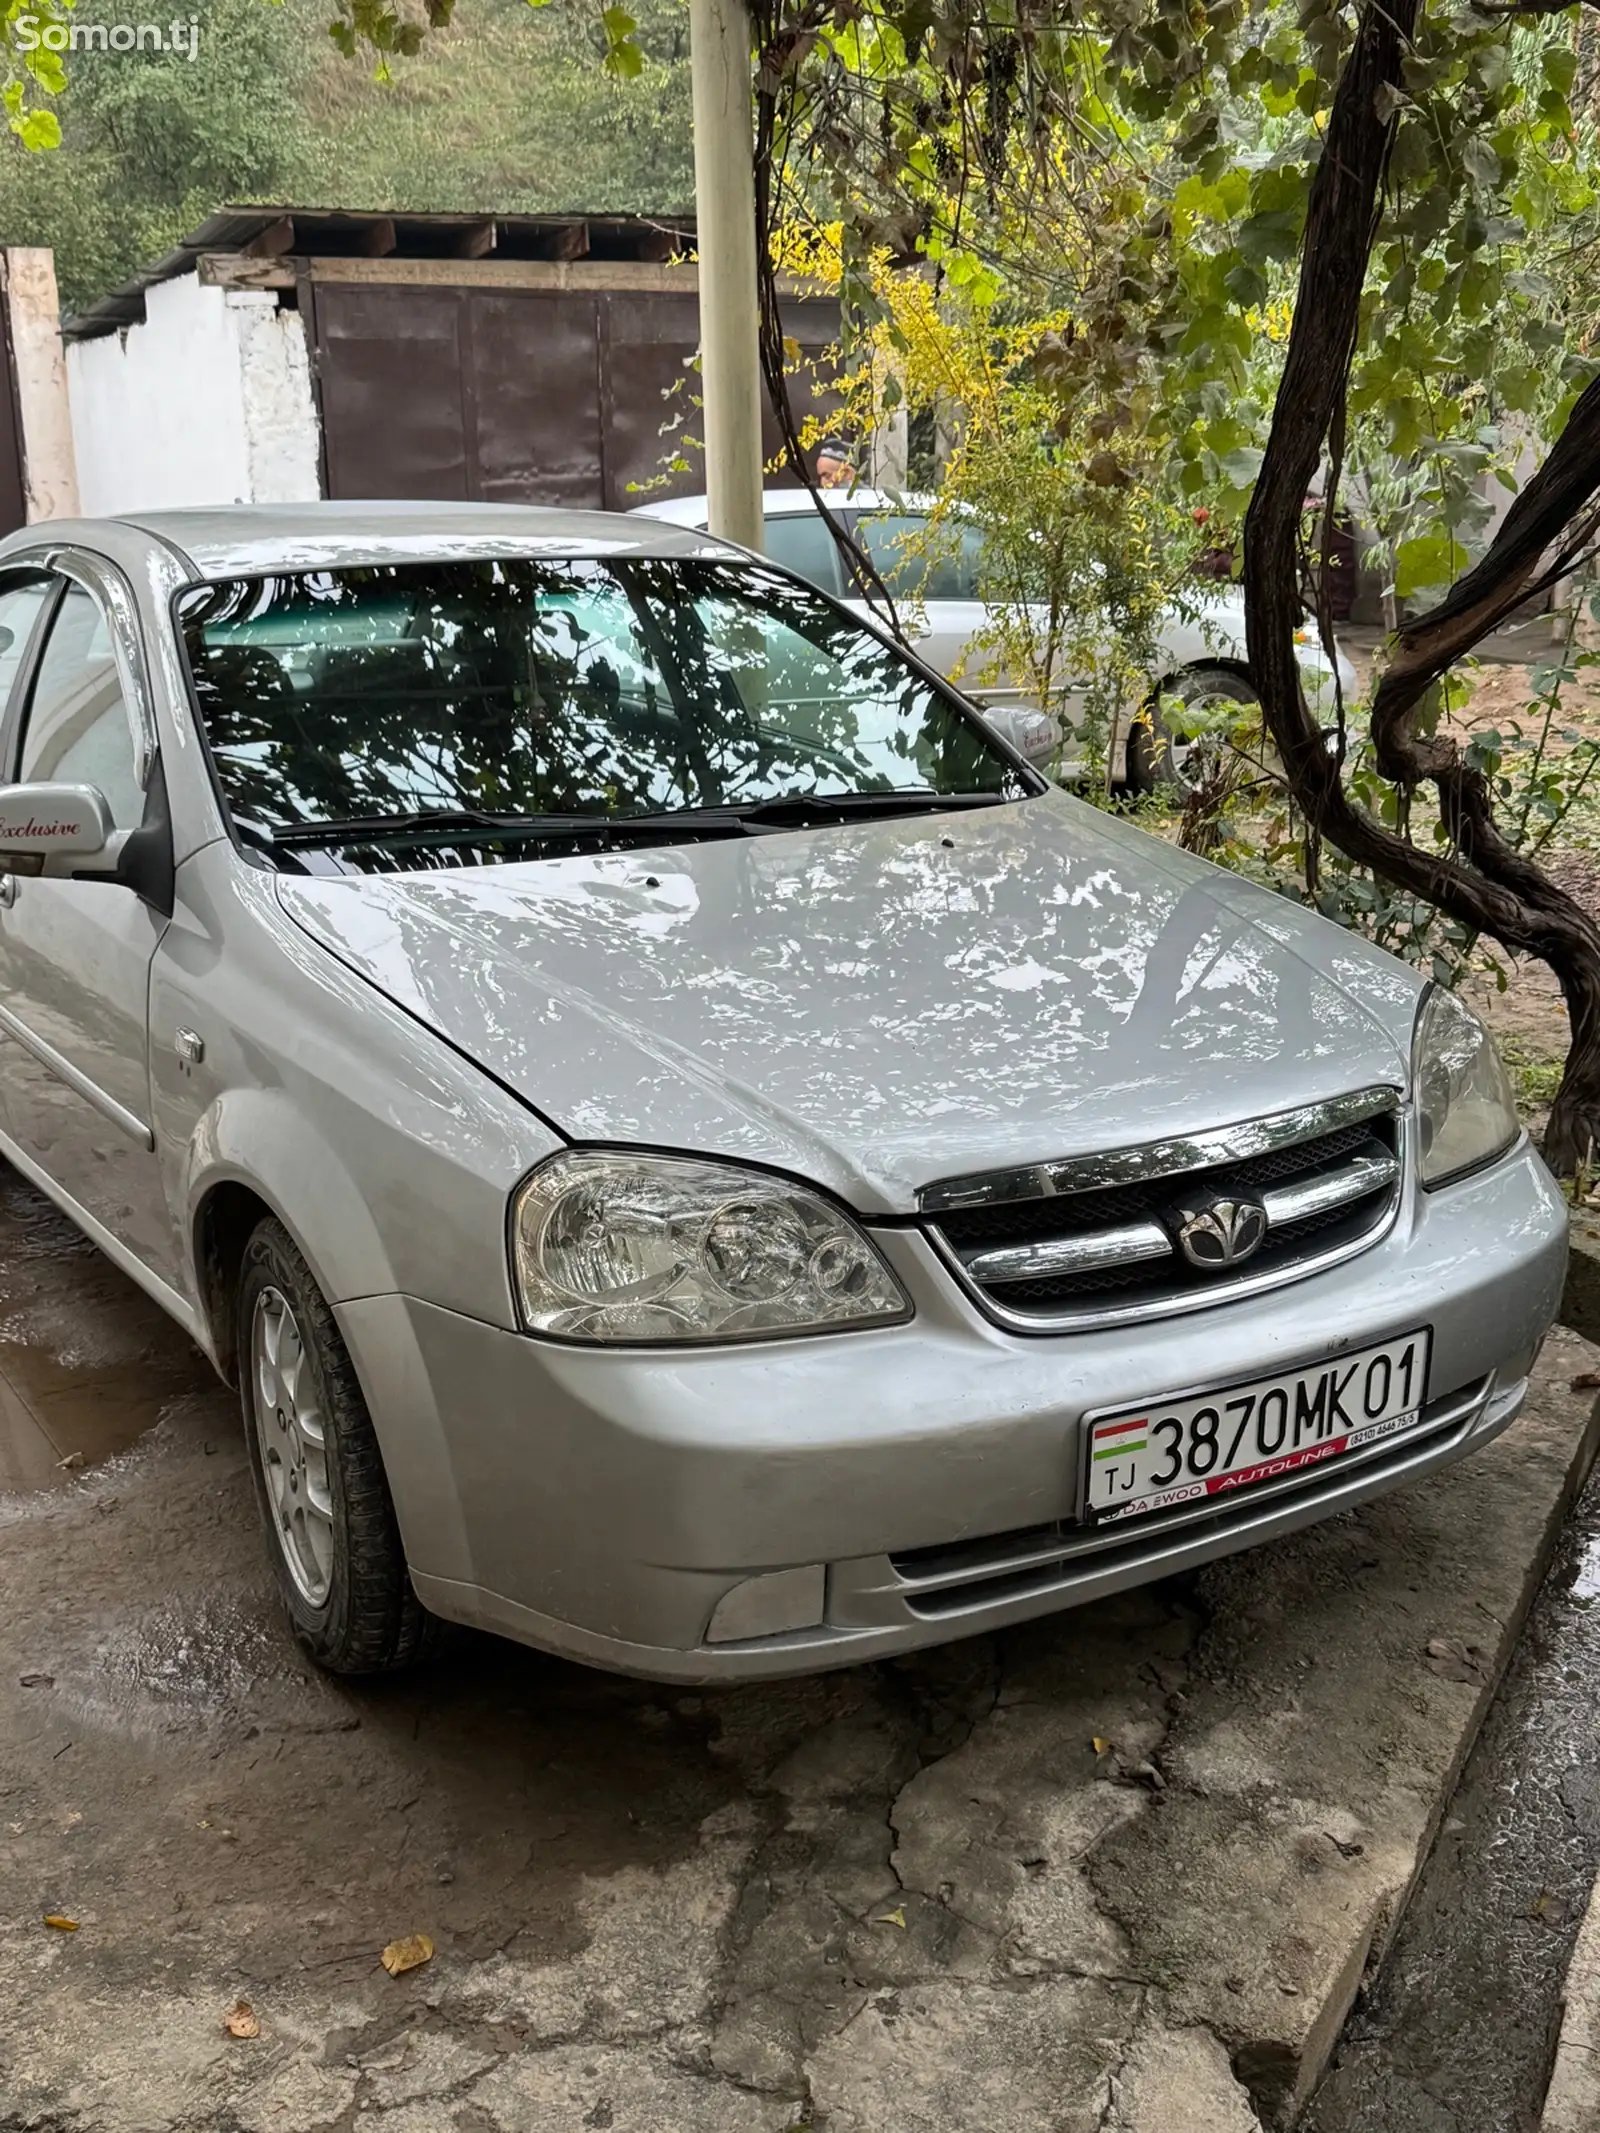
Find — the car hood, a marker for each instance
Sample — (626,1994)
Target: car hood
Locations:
(877,1005)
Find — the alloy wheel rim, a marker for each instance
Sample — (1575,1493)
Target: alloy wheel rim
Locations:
(291,1436)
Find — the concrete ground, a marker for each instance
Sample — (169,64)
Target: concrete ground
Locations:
(1458,2032)
(1119,1872)
(1572,2103)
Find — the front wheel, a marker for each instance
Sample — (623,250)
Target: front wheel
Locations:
(1216,713)
(318,1472)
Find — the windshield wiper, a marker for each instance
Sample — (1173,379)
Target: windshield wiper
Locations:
(791,810)
(372,829)
(839,806)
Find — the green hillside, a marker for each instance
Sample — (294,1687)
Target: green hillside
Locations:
(509,110)
(506,111)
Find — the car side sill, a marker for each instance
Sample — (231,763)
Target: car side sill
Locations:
(76,1080)
(116,1251)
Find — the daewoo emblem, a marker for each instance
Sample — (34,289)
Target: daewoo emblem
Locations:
(1218,1234)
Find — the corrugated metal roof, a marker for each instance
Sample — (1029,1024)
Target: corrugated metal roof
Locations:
(322,232)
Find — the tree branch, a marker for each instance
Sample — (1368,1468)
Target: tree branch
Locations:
(1529,7)
(1484,881)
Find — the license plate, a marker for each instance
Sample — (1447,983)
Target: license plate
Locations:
(1216,1443)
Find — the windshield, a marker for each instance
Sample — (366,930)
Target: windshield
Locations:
(377,696)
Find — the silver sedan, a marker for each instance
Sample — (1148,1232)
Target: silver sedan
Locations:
(694,1155)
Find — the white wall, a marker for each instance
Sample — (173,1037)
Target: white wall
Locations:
(280,414)
(208,402)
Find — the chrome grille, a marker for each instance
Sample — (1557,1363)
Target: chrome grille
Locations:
(1092,1241)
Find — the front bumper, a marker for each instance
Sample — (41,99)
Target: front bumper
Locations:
(601,1503)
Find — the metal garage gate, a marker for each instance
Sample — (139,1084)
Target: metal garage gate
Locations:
(512,395)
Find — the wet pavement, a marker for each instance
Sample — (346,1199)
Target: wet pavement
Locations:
(1110,1873)
(1459,2034)
(87,1362)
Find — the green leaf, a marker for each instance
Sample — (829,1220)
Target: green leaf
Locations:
(1241,466)
(1247,285)
(624,57)
(1429,559)
(1559,65)
(40,129)
(1480,162)
(1273,235)
(49,70)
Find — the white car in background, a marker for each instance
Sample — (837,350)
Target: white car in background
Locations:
(1202,652)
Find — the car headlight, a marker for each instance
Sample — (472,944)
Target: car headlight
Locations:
(1466,1113)
(620,1247)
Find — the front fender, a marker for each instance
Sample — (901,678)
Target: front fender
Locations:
(256,1141)
(387,1155)
(259,1139)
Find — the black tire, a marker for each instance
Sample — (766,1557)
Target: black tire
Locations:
(1155,763)
(370,1621)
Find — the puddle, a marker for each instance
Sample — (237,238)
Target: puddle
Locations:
(88,1364)
(1586,1578)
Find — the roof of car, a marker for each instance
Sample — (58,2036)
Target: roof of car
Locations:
(781,503)
(236,539)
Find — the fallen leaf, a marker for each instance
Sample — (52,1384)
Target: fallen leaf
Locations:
(61,1923)
(891,1918)
(241,2020)
(37,1681)
(1100,1747)
(408,1954)
(1452,1660)
(1549,1908)
(1586,1381)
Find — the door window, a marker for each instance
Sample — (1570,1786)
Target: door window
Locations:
(19,611)
(77,730)
(920,561)
(799,541)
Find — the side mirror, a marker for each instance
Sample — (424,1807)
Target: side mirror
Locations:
(1034,734)
(56,829)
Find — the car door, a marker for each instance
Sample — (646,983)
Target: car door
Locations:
(75,955)
(933,572)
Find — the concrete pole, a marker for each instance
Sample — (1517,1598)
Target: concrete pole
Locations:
(39,371)
(725,216)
